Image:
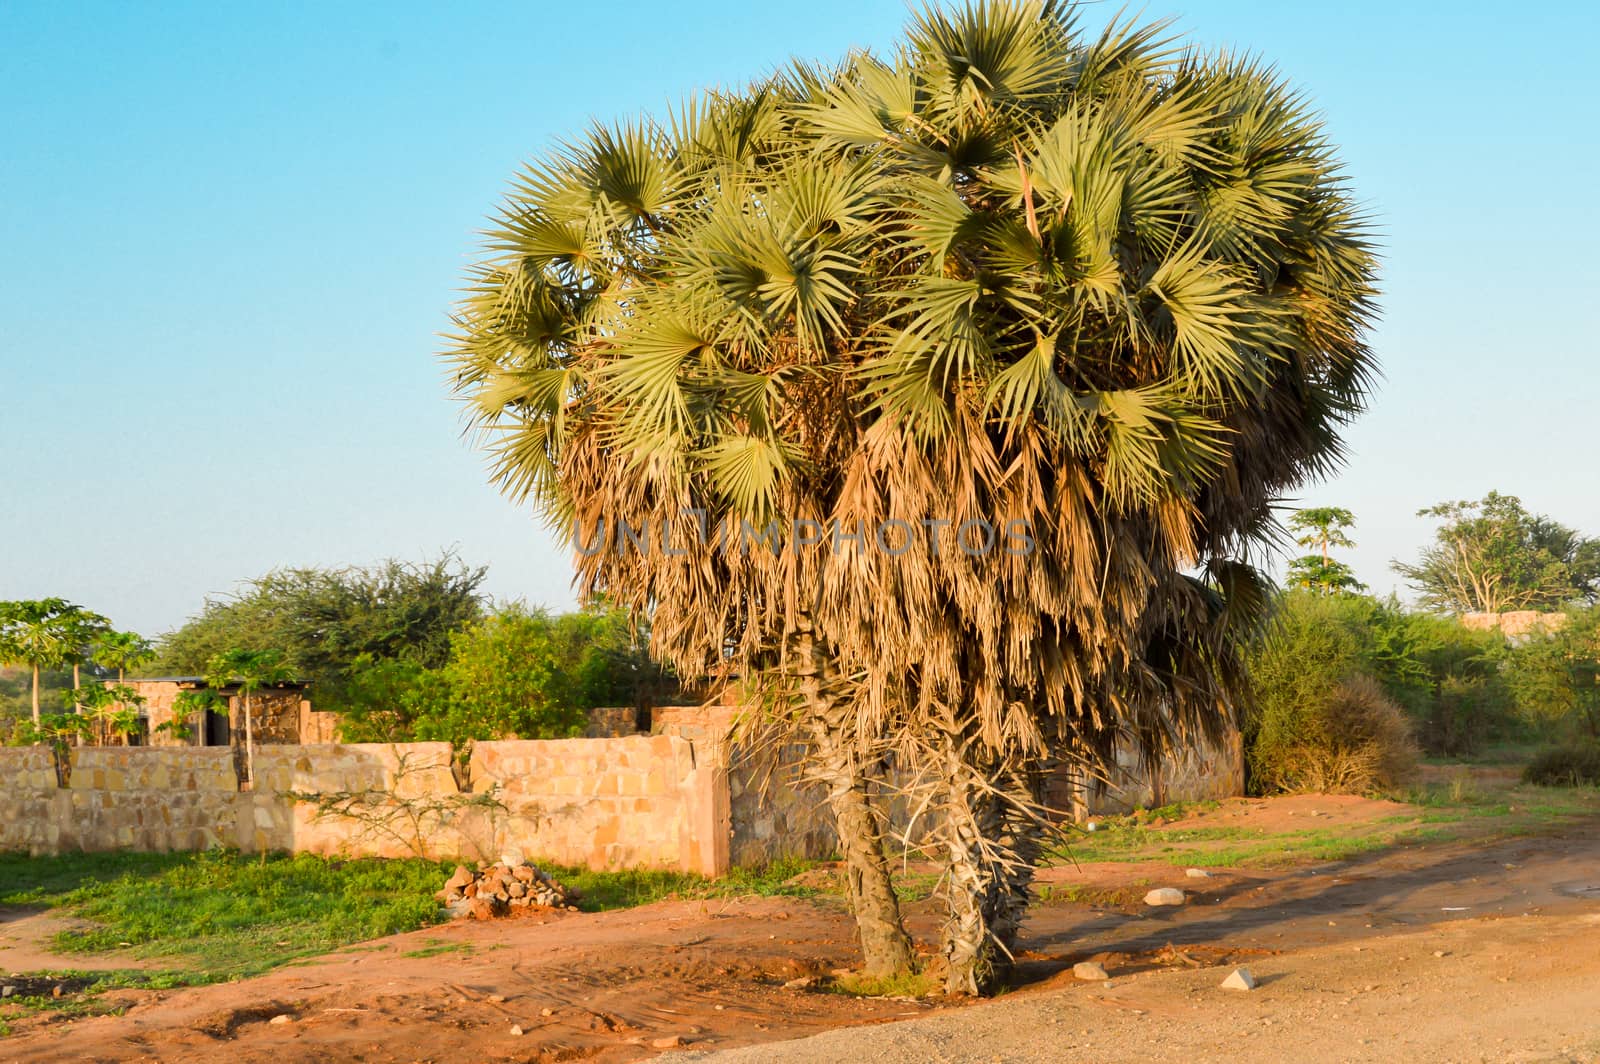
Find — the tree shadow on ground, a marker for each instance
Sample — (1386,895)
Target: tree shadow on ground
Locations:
(1370,894)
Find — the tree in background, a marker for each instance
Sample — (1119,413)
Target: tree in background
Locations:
(323,620)
(82,632)
(188,712)
(1492,555)
(1106,288)
(517,673)
(385,698)
(509,675)
(111,711)
(37,634)
(606,651)
(122,651)
(1555,674)
(1449,679)
(1322,528)
(1320,719)
(249,671)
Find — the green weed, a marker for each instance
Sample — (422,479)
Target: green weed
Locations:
(901,984)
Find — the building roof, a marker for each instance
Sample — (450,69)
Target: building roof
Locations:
(200,681)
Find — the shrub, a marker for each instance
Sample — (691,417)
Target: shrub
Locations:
(1307,652)
(1569,765)
(1556,676)
(1354,739)
(1447,678)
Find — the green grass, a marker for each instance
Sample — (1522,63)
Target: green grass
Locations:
(901,984)
(599,891)
(1219,847)
(1456,809)
(436,946)
(82,991)
(221,914)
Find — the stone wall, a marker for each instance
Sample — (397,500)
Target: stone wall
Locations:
(1516,625)
(612,722)
(692,797)
(774,812)
(637,802)
(117,798)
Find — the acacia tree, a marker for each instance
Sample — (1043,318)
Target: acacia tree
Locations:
(1104,295)
(1321,528)
(1492,555)
(249,671)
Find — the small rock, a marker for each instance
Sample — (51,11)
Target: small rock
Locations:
(1091,826)
(58,991)
(281,1019)
(671,1041)
(511,860)
(463,876)
(1089,970)
(799,984)
(498,999)
(1239,979)
(1165,896)
(1197,873)
(1441,953)
(516,1030)
(547,1011)
(7,991)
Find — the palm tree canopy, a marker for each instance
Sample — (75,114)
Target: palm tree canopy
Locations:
(123,650)
(38,632)
(1111,289)
(249,670)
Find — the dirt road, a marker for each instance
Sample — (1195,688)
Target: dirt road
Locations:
(1520,989)
(1346,954)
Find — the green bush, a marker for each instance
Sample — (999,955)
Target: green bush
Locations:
(1569,765)
(1353,739)
(517,673)
(1448,679)
(1555,677)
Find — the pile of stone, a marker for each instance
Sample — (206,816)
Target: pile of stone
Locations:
(498,889)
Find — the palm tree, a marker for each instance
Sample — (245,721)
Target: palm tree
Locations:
(37,634)
(1104,294)
(82,632)
(122,651)
(249,671)
(1321,528)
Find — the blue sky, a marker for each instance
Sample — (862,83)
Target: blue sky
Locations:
(230,234)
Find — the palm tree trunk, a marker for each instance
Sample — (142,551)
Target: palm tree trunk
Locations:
(966,830)
(991,836)
(885,946)
(36,696)
(249,745)
(77,706)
